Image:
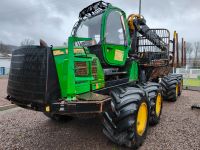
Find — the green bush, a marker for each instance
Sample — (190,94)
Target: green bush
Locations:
(198,77)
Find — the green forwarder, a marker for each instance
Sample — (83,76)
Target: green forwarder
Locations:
(115,67)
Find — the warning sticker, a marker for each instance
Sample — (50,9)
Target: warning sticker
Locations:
(76,51)
(119,55)
(58,52)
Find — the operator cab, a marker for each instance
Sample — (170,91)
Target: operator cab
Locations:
(107,27)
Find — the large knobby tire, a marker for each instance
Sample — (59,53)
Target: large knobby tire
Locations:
(57,117)
(127,122)
(180,82)
(154,94)
(170,87)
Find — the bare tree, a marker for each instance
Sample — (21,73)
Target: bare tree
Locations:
(189,50)
(27,42)
(4,49)
(196,54)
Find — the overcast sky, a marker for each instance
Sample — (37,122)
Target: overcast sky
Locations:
(52,20)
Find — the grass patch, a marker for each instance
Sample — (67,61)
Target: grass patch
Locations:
(191,82)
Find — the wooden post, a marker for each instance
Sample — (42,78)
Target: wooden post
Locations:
(174,50)
(185,56)
(177,50)
(182,53)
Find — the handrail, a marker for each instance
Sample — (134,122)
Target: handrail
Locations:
(71,90)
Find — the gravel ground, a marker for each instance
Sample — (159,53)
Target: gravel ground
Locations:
(3,88)
(179,129)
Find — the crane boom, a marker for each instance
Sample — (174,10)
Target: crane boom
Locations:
(137,23)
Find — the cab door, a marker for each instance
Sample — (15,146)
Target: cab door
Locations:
(116,37)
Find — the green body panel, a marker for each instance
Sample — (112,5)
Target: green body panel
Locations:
(65,64)
(114,55)
(61,66)
(99,82)
(83,87)
(66,70)
(133,71)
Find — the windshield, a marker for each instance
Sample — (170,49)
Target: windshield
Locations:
(90,28)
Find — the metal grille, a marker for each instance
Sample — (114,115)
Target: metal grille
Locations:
(81,69)
(93,9)
(159,43)
(94,69)
(154,50)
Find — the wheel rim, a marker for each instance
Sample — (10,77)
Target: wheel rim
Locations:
(177,90)
(158,104)
(142,118)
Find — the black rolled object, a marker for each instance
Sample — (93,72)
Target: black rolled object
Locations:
(33,77)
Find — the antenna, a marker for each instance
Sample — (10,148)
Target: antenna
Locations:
(140,7)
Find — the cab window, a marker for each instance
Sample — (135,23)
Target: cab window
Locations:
(115,29)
